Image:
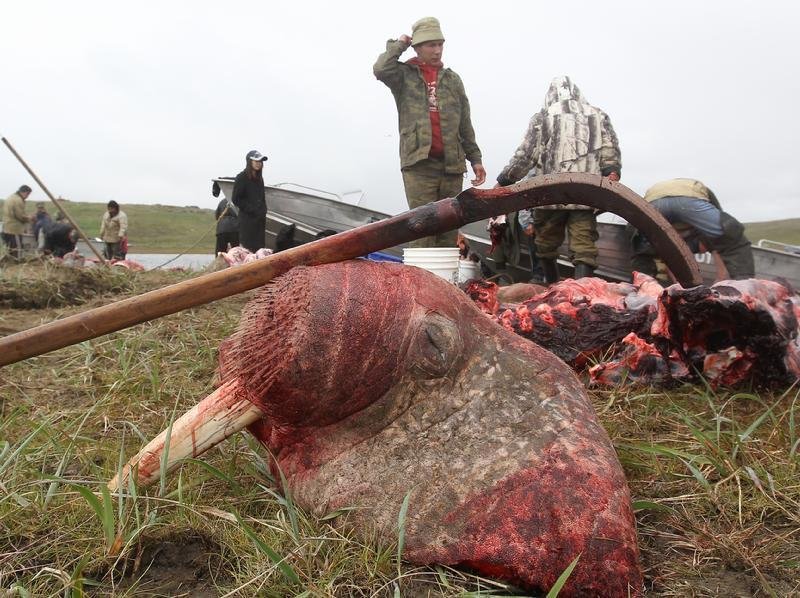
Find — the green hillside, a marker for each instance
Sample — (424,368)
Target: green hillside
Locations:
(152,228)
(785,231)
(164,229)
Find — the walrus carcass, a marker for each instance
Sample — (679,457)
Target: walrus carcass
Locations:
(367,381)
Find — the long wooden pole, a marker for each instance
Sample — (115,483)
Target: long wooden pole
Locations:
(441,216)
(58,204)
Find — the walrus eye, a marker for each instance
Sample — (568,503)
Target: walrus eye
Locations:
(437,345)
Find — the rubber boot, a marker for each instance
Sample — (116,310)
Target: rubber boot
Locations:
(503,277)
(550,269)
(500,274)
(583,270)
(537,279)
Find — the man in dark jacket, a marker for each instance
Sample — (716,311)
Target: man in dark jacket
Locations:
(227,216)
(40,220)
(59,238)
(250,197)
(436,134)
(227,225)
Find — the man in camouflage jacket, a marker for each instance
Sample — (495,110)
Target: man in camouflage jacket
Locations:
(436,134)
(567,135)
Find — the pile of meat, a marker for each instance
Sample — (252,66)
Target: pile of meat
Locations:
(731,332)
(75,259)
(238,256)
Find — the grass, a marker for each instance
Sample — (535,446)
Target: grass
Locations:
(723,465)
(163,229)
(713,475)
(47,284)
(784,231)
(153,228)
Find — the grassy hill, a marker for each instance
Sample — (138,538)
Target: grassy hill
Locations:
(785,231)
(152,228)
(164,229)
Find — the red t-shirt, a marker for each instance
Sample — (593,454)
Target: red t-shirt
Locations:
(431,73)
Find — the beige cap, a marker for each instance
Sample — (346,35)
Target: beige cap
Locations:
(427,29)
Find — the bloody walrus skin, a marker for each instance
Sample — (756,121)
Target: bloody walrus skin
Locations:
(732,332)
(373,380)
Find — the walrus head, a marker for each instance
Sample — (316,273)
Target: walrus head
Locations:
(369,381)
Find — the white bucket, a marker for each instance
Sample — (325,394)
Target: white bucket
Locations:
(430,252)
(442,261)
(468,270)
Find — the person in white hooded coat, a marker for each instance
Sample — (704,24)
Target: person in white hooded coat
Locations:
(567,135)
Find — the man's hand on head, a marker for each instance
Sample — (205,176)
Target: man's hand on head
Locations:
(405,39)
(480,174)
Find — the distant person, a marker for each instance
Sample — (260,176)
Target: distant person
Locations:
(114,232)
(227,216)
(60,238)
(525,218)
(250,197)
(40,219)
(436,134)
(694,211)
(504,234)
(567,135)
(284,239)
(507,233)
(15,220)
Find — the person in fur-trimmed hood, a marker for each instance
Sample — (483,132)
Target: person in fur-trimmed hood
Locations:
(567,135)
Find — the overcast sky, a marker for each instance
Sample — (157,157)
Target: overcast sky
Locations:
(146,102)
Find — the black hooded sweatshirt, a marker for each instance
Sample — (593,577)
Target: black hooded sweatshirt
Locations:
(249,195)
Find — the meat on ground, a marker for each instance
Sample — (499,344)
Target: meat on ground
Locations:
(731,332)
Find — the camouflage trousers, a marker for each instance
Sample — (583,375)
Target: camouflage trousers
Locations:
(426,182)
(551,226)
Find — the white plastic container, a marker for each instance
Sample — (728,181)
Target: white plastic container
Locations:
(468,270)
(430,252)
(442,261)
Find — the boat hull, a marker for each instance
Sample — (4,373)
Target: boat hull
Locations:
(312,213)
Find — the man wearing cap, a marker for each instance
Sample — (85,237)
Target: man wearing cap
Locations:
(15,220)
(436,134)
(250,197)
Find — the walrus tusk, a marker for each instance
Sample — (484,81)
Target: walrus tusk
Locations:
(217,417)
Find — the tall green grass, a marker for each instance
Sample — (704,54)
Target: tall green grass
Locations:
(152,228)
(713,475)
(69,421)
